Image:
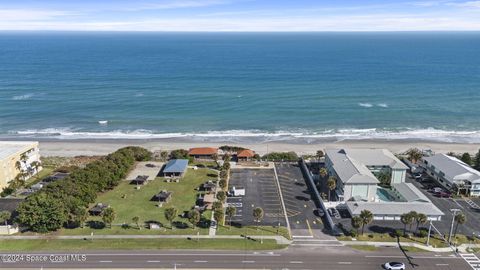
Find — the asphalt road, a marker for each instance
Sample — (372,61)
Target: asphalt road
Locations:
(293,258)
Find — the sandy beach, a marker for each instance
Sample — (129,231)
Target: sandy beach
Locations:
(101,147)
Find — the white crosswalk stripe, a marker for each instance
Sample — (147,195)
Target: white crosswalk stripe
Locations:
(472,204)
(472,260)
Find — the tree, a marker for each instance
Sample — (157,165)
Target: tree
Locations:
(323,172)
(18,165)
(163,155)
(5,216)
(320,154)
(194,217)
(217,205)
(226,158)
(414,216)
(135,220)
(223,174)
(230,213)
(476,163)
(215,157)
(460,218)
(257,215)
(466,158)
(226,166)
(179,154)
(406,219)
(420,219)
(331,184)
(170,215)
(108,216)
(36,165)
(218,216)
(385,177)
(42,212)
(356,223)
(222,183)
(221,196)
(414,155)
(366,217)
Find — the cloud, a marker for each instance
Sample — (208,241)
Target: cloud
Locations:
(469,4)
(176,5)
(31,14)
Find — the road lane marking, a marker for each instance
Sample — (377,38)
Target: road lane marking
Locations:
(153,261)
(309,228)
(296,262)
(201,261)
(248,261)
(344,262)
(105,261)
(441,264)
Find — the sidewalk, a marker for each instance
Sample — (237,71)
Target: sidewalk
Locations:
(280,239)
(461,248)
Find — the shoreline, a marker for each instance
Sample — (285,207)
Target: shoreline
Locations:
(89,147)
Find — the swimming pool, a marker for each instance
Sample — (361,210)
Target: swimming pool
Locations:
(384,195)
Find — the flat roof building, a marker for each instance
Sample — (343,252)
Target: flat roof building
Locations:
(16,157)
(452,173)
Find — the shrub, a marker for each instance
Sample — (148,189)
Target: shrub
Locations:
(281,156)
(422,233)
(179,154)
(353,233)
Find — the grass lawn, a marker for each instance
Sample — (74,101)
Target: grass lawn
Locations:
(252,230)
(136,244)
(46,171)
(364,247)
(138,203)
(434,241)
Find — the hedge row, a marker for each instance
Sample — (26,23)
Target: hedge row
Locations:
(65,202)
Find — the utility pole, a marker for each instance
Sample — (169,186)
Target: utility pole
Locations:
(454,213)
(429,231)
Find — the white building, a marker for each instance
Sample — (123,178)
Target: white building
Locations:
(355,168)
(16,157)
(451,173)
(357,185)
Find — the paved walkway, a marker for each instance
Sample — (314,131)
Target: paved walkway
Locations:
(461,248)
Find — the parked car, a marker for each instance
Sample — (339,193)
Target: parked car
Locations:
(150,165)
(318,212)
(443,194)
(335,213)
(417,176)
(437,190)
(330,211)
(394,266)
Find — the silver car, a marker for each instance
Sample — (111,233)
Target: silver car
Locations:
(394,266)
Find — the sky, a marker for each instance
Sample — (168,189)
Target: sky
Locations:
(240,15)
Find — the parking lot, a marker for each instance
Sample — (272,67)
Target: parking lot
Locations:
(446,204)
(298,200)
(260,191)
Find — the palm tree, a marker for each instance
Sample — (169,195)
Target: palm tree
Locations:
(108,216)
(18,165)
(414,216)
(406,219)
(460,219)
(170,215)
(257,215)
(230,212)
(421,219)
(135,220)
(366,218)
(331,184)
(163,155)
(414,154)
(323,172)
(36,165)
(356,223)
(4,217)
(320,154)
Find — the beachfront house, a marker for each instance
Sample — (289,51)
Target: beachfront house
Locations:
(175,168)
(452,173)
(16,158)
(203,153)
(357,171)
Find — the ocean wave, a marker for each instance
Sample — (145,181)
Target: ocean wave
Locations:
(429,134)
(383,105)
(365,105)
(23,97)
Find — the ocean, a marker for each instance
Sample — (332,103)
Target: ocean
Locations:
(241,86)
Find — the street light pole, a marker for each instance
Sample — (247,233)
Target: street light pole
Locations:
(429,231)
(454,213)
